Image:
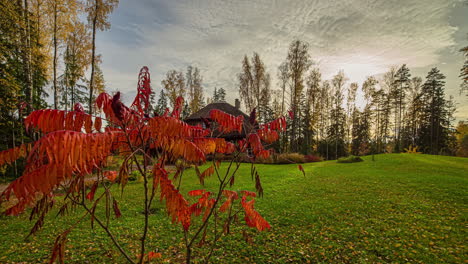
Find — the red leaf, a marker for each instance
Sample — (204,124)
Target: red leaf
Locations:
(141,102)
(196,192)
(227,123)
(248,193)
(179,104)
(78,108)
(90,195)
(301,169)
(97,124)
(115,206)
(110,175)
(252,217)
(153,255)
(176,205)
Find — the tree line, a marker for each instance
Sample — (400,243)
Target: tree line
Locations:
(52,43)
(400,111)
(48,45)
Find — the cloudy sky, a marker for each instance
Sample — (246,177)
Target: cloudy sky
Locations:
(361,37)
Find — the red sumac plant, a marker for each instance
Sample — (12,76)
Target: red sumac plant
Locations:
(74,144)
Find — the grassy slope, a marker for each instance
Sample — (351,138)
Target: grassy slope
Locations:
(400,208)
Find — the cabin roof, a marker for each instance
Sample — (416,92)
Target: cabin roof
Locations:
(204,113)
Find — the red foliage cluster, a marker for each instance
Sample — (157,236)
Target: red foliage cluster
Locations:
(203,205)
(299,166)
(227,123)
(10,155)
(56,157)
(230,197)
(73,146)
(141,102)
(50,120)
(176,205)
(179,104)
(312,158)
(267,135)
(277,124)
(256,145)
(252,217)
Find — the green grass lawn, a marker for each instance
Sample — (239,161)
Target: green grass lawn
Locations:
(402,208)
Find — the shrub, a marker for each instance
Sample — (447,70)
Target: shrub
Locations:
(350,159)
(312,158)
(74,144)
(263,160)
(289,158)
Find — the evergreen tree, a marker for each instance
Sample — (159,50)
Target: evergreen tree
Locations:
(380,108)
(324,107)
(186,111)
(298,62)
(336,131)
(22,73)
(219,95)
(215,95)
(161,106)
(305,127)
(464,71)
(399,93)
(312,105)
(350,106)
(412,118)
(434,134)
(361,131)
(388,85)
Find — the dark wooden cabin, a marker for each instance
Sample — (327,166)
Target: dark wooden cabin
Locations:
(202,118)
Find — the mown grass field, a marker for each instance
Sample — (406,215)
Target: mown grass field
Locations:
(402,208)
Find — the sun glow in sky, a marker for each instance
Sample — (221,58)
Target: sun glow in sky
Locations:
(361,37)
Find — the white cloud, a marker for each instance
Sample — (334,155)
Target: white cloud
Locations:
(363,37)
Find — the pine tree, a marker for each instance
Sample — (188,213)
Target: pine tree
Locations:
(350,106)
(312,97)
(464,71)
(219,95)
(298,62)
(401,87)
(412,118)
(434,134)
(336,131)
(324,109)
(215,95)
(283,77)
(161,105)
(361,131)
(22,73)
(388,85)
